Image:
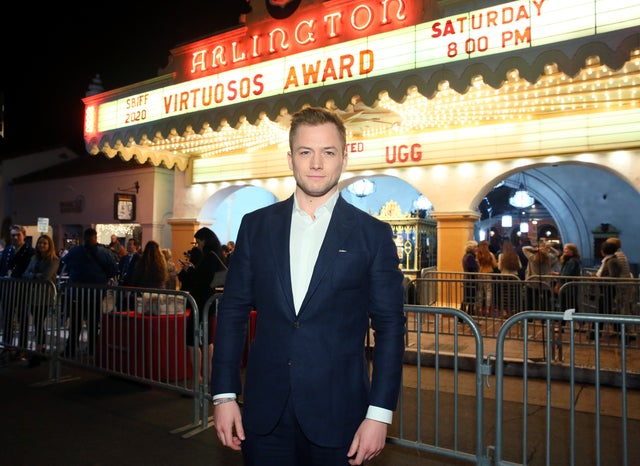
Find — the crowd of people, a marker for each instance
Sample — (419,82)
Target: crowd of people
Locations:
(105,264)
(547,264)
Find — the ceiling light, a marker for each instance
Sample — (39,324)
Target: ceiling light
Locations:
(362,188)
(521,198)
(422,203)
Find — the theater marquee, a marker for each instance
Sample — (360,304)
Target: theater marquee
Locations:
(362,39)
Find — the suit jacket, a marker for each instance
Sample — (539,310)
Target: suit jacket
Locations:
(318,356)
(126,266)
(16,261)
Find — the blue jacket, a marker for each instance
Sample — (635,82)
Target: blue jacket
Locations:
(318,356)
(93,264)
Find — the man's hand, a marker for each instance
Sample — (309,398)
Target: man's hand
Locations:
(368,442)
(227,419)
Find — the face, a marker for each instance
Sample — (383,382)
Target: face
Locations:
(17,237)
(317,159)
(200,244)
(131,247)
(567,252)
(43,245)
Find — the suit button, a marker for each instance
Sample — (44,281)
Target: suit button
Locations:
(289,362)
(296,324)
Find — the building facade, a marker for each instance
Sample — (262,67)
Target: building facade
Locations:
(450,98)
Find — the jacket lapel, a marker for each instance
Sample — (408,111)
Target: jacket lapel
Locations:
(280,233)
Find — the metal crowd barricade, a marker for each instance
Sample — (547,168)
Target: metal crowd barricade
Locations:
(479,294)
(25,315)
(210,311)
(588,434)
(604,296)
(422,422)
(139,334)
(509,296)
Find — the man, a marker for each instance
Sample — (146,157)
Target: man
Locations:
(621,256)
(15,257)
(94,264)
(117,248)
(316,269)
(128,262)
(624,293)
(14,260)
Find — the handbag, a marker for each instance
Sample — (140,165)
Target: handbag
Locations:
(220,276)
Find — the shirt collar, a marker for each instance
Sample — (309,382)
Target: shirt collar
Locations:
(327,207)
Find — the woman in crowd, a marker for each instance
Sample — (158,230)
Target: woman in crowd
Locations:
(508,260)
(470,264)
(488,264)
(509,264)
(570,266)
(539,269)
(196,279)
(172,283)
(42,266)
(150,270)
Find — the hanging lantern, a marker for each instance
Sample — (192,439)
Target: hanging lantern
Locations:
(362,188)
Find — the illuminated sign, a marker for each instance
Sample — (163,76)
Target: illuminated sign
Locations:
(310,29)
(502,28)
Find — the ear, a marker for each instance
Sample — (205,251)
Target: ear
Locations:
(290,160)
(345,161)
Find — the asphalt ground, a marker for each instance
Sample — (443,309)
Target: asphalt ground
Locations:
(96,419)
(90,418)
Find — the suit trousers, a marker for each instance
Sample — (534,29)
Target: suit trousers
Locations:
(287,445)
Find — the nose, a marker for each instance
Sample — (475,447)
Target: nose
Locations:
(316,161)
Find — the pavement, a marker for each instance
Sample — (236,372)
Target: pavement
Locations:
(94,419)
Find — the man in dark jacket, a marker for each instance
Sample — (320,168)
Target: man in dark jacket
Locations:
(128,262)
(13,262)
(90,263)
(318,271)
(15,257)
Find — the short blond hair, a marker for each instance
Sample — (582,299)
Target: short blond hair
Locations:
(19,228)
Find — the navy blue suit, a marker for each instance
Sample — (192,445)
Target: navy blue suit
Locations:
(318,356)
(126,266)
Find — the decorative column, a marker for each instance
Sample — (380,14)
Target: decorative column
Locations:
(454,230)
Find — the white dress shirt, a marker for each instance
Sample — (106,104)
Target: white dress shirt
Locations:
(307,235)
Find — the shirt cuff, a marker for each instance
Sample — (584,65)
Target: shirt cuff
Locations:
(380,414)
(224,395)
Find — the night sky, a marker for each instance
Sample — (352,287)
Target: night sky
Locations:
(50,56)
